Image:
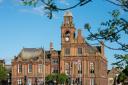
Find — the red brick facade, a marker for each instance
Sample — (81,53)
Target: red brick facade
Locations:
(29,66)
(83,63)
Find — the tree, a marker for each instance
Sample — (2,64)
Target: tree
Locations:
(122,3)
(122,63)
(59,78)
(3,73)
(62,78)
(49,77)
(112,30)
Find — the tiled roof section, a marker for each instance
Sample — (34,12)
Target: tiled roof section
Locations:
(48,53)
(93,49)
(28,53)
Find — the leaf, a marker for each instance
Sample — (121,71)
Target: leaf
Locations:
(87,26)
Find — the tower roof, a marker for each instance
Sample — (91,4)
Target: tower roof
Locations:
(68,13)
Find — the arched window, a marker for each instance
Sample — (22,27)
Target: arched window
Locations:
(67,33)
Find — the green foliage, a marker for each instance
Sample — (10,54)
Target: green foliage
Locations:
(113,31)
(126,70)
(3,73)
(49,77)
(121,77)
(60,78)
(87,26)
(122,61)
(121,3)
(115,13)
(29,2)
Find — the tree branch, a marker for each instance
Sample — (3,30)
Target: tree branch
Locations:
(77,4)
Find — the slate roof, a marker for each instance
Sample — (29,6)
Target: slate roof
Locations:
(28,53)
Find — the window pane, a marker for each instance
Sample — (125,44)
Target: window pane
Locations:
(54,61)
(55,70)
(67,51)
(92,68)
(19,68)
(40,68)
(79,51)
(30,68)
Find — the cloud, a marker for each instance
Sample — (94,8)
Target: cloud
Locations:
(64,2)
(39,10)
(36,10)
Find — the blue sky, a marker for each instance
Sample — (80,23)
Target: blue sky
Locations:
(24,26)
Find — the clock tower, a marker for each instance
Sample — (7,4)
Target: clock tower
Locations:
(68,39)
(67,29)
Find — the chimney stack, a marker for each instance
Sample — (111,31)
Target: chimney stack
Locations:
(51,46)
(102,48)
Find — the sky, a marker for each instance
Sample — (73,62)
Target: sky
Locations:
(28,27)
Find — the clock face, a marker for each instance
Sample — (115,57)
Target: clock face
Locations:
(67,35)
(66,38)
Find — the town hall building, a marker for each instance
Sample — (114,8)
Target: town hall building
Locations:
(82,63)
